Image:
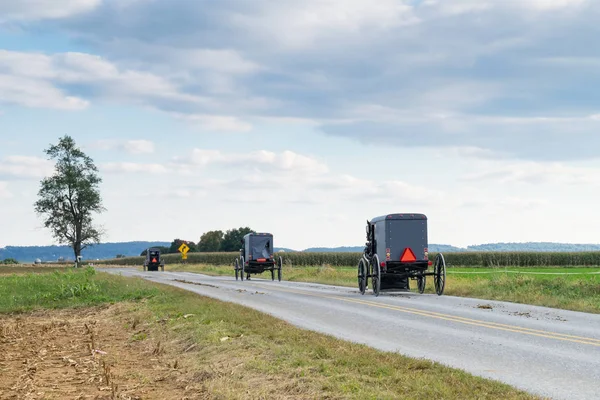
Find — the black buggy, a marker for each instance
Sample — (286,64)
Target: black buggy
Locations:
(396,252)
(256,257)
(153,260)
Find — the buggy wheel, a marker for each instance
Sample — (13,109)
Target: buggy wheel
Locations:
(362,276)
(375,275)
(273,274)
(241,268)
(144,267)
(421,282)
(236,267)
(439,271)
(279,266)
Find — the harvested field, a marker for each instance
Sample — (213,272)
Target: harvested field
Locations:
(87,353)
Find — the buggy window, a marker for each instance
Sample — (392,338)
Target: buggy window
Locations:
(154,254)
(261,247)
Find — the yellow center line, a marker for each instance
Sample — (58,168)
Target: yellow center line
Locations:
(453,318)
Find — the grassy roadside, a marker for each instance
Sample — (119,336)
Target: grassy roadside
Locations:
(231,352)
(69,288)
(570,292)
(26,269)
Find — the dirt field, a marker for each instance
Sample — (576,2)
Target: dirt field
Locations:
(89,353)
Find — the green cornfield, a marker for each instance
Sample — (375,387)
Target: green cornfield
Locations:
(465,259)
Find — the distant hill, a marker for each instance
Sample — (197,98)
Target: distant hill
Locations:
(52,253)
(535,246)
(278,249)
(445,248)
(105,251)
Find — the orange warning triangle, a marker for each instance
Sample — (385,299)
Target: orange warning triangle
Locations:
(154,260)
(408,256)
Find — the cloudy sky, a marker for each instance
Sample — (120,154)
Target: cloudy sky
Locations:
(306,118)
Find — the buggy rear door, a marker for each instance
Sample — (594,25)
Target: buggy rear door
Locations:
(406,233)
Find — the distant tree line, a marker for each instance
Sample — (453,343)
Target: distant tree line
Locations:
(210,242)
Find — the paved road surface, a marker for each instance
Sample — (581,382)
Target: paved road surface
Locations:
(549,352)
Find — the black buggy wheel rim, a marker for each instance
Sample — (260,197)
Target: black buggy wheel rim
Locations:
(376,275)
(279,266)
(440,274)
(362,276)
(421,282)
(236,267)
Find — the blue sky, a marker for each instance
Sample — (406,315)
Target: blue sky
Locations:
(305,119)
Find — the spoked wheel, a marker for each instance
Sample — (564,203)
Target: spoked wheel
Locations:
(279,266)
(421,284)
(439,274)
(241,268)
(237,268)
(362,276)
(375,275)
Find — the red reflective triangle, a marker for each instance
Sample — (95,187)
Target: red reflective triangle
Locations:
(154,260)
(408,256)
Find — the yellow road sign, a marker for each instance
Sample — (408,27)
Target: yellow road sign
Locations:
(184,248)
(183,256)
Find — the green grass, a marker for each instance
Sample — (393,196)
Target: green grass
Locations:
(21,269)
(240,353)
(68,288)
(570,292)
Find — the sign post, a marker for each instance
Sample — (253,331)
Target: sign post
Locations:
(183,249)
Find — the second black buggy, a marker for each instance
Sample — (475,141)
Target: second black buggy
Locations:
(257,256)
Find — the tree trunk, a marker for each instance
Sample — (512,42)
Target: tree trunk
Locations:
(77,251)
(77,245)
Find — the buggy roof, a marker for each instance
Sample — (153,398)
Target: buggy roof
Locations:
(405,216)
(257,234)
(154,249)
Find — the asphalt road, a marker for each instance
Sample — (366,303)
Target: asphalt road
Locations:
(548,352)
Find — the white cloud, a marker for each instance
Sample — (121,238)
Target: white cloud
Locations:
(44,9)
(534,173)
(276,162)
(548,5)
(469,6)
(4,192)
(131,167)
(32,79)
(134,147)
(350,188)
(225,61)
(25,167)
(215,123)
(294,24)
(37,94)
(139,146)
